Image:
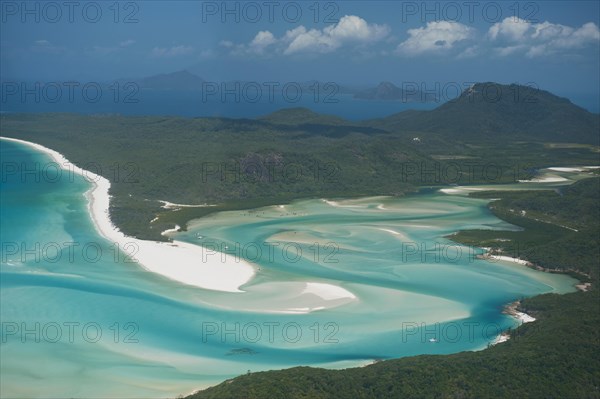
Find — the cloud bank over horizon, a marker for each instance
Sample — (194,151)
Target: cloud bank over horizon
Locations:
(449,38)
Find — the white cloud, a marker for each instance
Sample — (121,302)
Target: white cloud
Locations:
(540,39)
(510,37)
(510,28)
(163,52)
(508,50)
(261,41)
(351,27)
(312,41)
(435,37)
(292,34)
(575,38)
(350,30)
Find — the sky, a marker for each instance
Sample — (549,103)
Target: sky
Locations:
(552,44)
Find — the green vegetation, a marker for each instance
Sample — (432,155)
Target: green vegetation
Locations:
(554,357)
(557,235)
(298,116)
(489,109)
(218,161)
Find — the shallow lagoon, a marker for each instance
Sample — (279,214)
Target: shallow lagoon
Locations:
(89,323)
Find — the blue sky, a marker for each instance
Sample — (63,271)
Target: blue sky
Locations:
(553,44)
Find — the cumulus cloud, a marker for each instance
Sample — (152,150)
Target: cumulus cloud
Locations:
(168,52)
(510,37)
(513,29)
(435,37)
(350,30)
(514,35)
(261,41)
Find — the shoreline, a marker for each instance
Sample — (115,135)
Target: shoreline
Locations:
(492,258)
(522,317)
(511,308)
(177,260)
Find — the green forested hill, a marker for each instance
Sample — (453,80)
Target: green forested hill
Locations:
(491,110)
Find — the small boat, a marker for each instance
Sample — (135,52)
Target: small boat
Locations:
(433,340)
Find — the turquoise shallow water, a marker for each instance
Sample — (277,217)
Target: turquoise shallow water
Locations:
(78,320)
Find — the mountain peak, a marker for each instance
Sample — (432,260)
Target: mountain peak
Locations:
(504,111)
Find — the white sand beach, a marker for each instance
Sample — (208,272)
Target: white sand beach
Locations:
(511,309)
(180,261)
(503,337)
(523,317)
(583,286)
(563,169)
(460,190)
(547,178)
(508,259)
